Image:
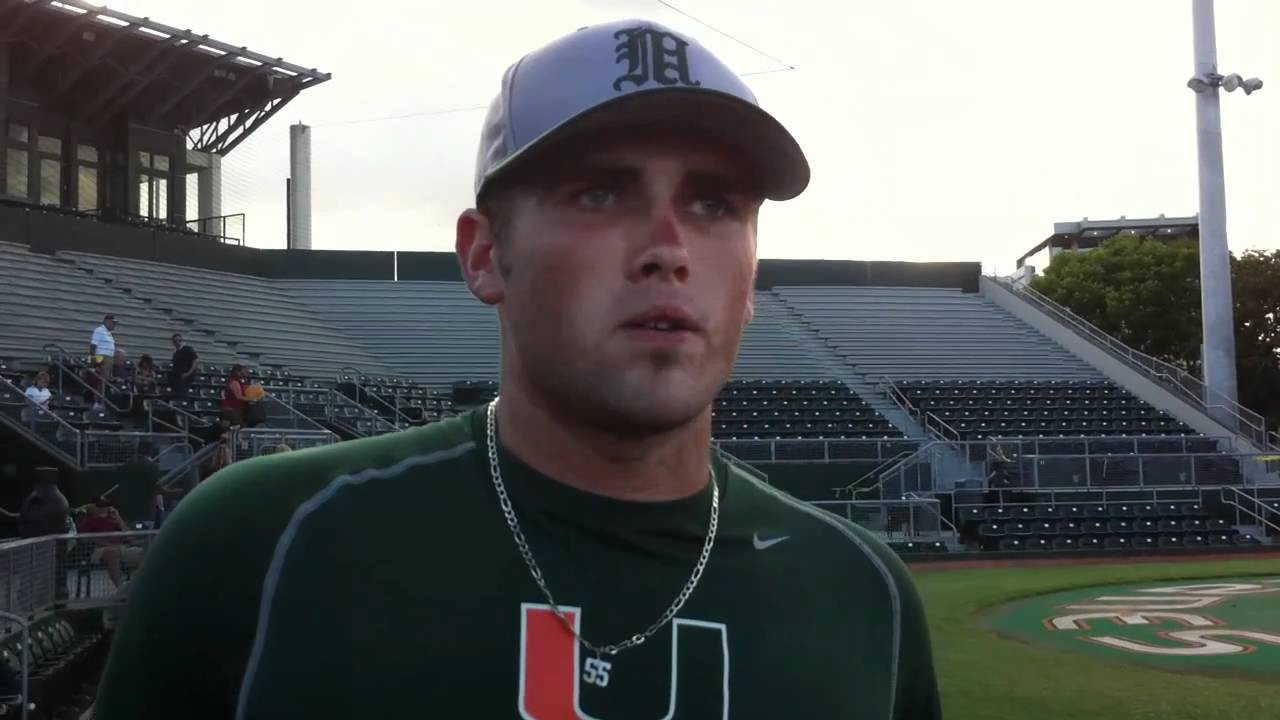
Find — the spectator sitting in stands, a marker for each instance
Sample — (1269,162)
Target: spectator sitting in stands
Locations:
(185,362)
(38,391)
(113,553)
(281,448)
(102,349)
(234,400)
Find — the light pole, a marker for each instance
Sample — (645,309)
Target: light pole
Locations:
(1216,310)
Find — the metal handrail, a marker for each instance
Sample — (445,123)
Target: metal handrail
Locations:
(943,431)
(336,399)
(955,533)
(402,420)
(1260,517)
(1188,385)
(188,417)
(901,465)
(169,478)
(41,412)
(66,370)
(852,488)
(898,397)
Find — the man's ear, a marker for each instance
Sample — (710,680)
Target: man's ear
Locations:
(478,257)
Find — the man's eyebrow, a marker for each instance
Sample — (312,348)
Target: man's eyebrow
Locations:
(595,170)
(722,181)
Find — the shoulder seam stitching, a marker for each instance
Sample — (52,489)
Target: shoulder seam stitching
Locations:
(291,529)
(875,560)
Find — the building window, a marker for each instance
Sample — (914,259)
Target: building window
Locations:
(87,178)
(50,181)
(15,175)
(17,161)
(50,151)
(153,185)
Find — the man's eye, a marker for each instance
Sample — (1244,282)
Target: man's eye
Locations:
(714,206)
(597,197)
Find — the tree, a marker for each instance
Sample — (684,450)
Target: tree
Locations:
(1146,293)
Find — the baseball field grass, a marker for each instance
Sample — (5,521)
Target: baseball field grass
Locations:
(985,676)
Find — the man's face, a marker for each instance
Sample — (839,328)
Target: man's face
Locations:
(110,323)
(627,277)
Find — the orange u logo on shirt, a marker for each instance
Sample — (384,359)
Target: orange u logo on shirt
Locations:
(552,670)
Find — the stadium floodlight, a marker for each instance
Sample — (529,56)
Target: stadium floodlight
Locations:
(1217,312)
(1204,82)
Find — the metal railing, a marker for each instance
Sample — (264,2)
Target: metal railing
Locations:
(1182,383)
(227,229)
(1128,470)
(37,573)
(931,505)
(1099,462)
(1252,507)
(40,574)
(40,425)
(816,450)
(253,442)
(282,414)
(69,367)
(364,396)
(191,464)
(855,487)
(342,410)
(939,429)
(745,467)
(107,448)
(911,518)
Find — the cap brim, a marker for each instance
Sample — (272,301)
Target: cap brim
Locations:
(775,159)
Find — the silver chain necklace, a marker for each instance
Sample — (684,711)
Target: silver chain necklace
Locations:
(523,546)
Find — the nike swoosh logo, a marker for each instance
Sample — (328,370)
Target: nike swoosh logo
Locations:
(766,544)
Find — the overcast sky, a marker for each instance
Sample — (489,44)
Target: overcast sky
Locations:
(936,130)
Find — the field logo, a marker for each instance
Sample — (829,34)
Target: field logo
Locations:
(1206,636)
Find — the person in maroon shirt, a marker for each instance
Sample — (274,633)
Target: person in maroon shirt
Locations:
(111,552)
(234,401)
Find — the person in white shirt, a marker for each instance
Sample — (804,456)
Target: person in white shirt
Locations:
(102,349)
(38,391)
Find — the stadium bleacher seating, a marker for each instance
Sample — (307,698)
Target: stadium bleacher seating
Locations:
(50,301)
(978,409)
(930,333)
(1098,525)
(66,659)
(437,332)
(248,313)
(363,357)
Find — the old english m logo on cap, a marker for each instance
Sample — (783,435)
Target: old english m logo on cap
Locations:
(652,56)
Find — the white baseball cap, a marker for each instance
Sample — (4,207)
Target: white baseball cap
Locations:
(633,73)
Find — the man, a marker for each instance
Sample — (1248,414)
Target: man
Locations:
(571,550)
(182,367)
(102,355)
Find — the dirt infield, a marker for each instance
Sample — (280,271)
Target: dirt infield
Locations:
(970,562)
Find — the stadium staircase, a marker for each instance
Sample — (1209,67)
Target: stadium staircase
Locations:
(1159,383)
